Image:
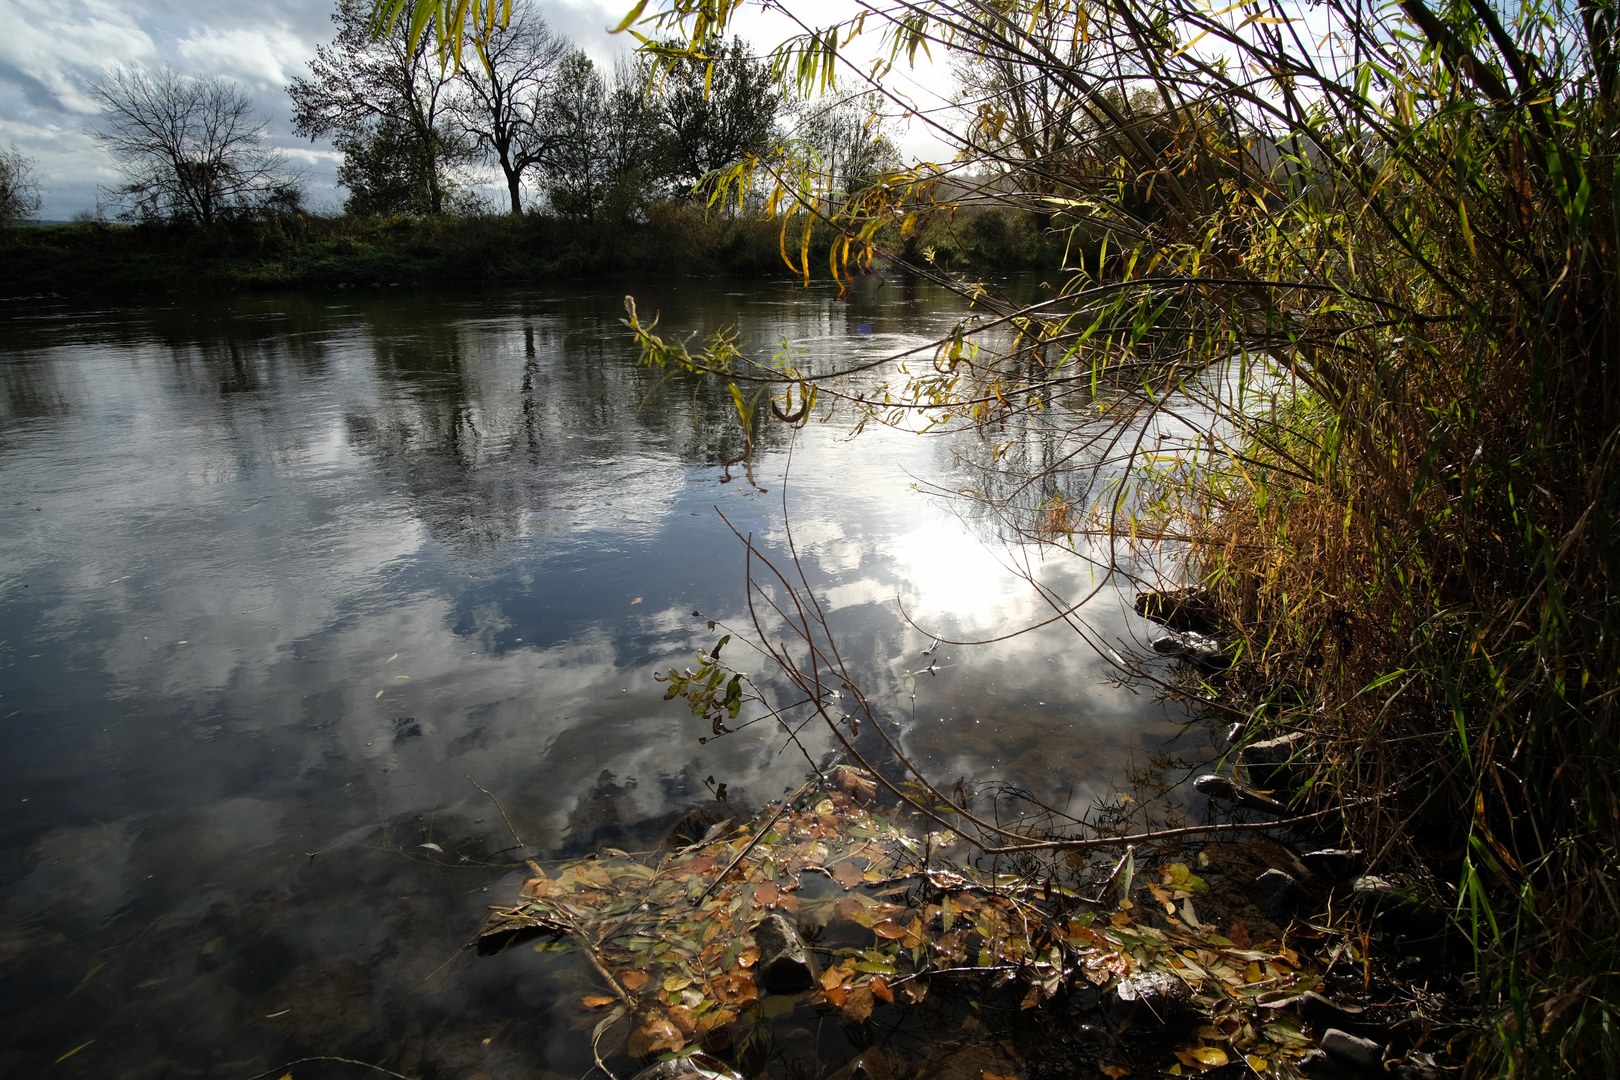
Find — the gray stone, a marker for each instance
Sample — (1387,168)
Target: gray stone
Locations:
(1278,895)
(1349,1050)
(1316,1065)
(1275,763)
(692,1067)
(1155,996)
(1334,864)
(1198,649)
(785,966)
(1224,789)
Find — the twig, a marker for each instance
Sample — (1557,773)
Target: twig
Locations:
(328,1057)
(763,829)
(1144,838)
(521,845)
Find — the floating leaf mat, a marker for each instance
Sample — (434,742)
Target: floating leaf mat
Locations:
(670,934)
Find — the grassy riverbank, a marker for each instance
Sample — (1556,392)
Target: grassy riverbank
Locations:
(307,252)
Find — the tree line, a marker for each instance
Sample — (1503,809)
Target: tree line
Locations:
(420,129)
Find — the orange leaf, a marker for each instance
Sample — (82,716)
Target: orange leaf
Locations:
(890,929)
(858,1005)
(848,875)
(837,995)
(655,1036)
(880,989)
(1115,1071)
(833,977)
(988,1075)
(682,1018)
(633,980)
(748,957)
(596,1001)
(765,894)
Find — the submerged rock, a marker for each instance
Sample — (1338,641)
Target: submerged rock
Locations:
(785,966)
(1275,763)
(1225,789)
(1278,895)
(1333,864)
(1180,609)
(1151,996)
(691,1067)
(1198,649)
(1347,1050)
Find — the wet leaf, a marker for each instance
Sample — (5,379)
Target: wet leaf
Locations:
(633,980)
(748,957)
(683,1019)
(655,1036)
(765,894)
(858,1005)
(880,989)
(848,875)
(596,1001)
(1114,1072)
(1203,1057)
(889,929)
(675,983)
(437,848)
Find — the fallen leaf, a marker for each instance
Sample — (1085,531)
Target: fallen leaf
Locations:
(889,929)
(835,977)
(1115,1071)
(596,1001)
(916,990)
(634,980)
(848,875)
(837,995)
(432,847)
(988,1075)
(676,982)
(1203,1057)
(748,957)
(682,1018)
(655,1036)
(765,894)
(1238,934)
(880,989)
(858,1005)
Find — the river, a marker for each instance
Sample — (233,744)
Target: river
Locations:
(283,577)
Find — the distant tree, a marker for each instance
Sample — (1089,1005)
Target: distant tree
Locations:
(385,102)
(188,148)
(718,105)
(850,143)
(577,171)
(609,153)
(507,74)
(19,190)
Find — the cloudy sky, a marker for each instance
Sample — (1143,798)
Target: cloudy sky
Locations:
(52,50)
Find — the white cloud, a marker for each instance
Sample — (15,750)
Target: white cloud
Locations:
(264,57)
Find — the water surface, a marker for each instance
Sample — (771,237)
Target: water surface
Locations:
(282,577)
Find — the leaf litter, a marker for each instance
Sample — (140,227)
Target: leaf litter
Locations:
(669,934)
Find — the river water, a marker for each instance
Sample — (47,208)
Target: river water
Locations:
(283,577)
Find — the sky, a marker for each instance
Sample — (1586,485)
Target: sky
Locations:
(53,50)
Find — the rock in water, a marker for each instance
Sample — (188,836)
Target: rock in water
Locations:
(691,1067)
(1278,895)
(785,966)
(1346,1049)
(1152,996)
(1204,652)
(1223,789)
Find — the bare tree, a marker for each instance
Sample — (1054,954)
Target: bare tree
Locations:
(364,88)
(506,85)
(188,148)
(19,190)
